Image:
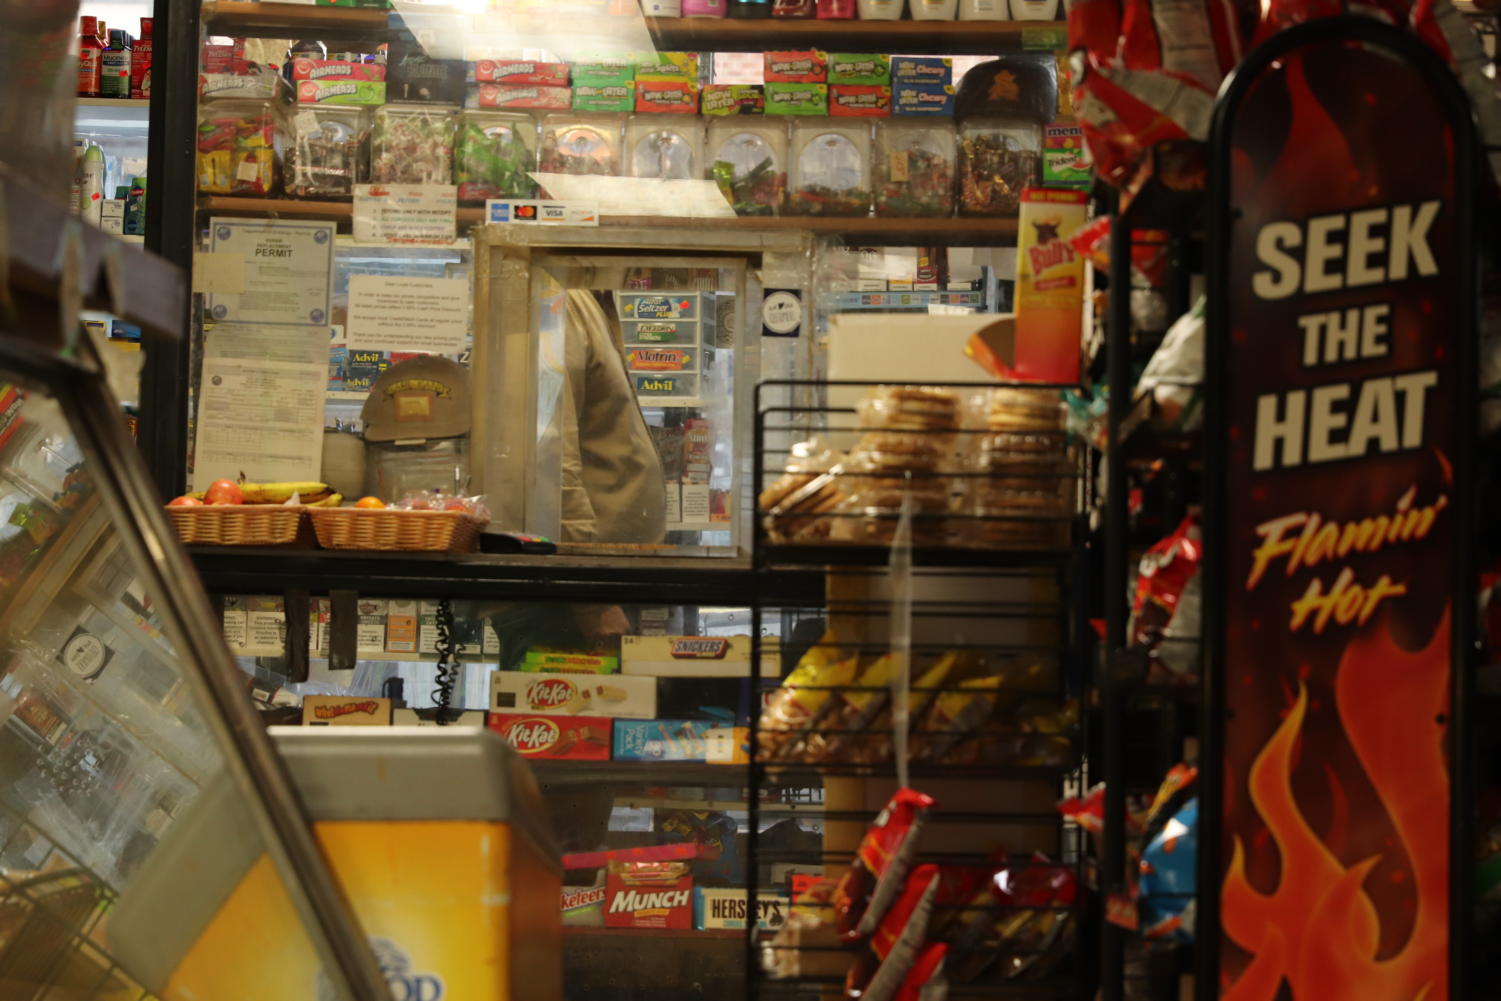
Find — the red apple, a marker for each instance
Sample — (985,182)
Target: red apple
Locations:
(185,501)
(224,492)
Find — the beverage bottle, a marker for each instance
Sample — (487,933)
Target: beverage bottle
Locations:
(90,53)
(792,8)
(114,66)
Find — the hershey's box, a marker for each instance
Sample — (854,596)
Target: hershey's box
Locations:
(580,738)
(725,908)
(696,656)
(573,695)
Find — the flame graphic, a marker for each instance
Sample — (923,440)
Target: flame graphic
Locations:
(1319,931)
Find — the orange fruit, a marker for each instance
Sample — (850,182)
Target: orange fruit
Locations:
(370,502)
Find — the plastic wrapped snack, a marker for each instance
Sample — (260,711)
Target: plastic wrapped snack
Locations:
(871,508)
(914,168)
(845,732)
(412,144)
(909,408)
(581,145)
(748,160)
(804,699)
(997,159)
(669,147)
(236,147)
(830,168)
(954,716)
(323,151)
(1018,409)
(797,504)
(873,881)
(1168,574)
(495,155)
(881,972)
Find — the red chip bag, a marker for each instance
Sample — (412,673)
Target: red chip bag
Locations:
(898,940)
(1094,26)
(1181,37)
(1124,112)
(927,969)
(881,864)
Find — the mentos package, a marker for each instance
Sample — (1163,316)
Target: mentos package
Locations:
(808,66)
(520,71)
(797,99)
(715,908)
(859,101)
(859,69)
(721,99)
(1063,160)
(576,738)
(335,69)
(668,96)
(922,99)
(922,69)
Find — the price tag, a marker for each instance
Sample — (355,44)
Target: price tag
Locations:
(248,170)
(898,166)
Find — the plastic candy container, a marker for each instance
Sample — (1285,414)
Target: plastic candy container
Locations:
(236,147)
(581,145)
(495,155)
(914,167)
(749,161)
(830,168)
(670,147)
(412,144)
(323,151)
(998,157)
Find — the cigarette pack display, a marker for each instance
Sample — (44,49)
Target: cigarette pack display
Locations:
(323,149)
(808,66)
(859,69)
(345,710)
(913,99)
(401,626)
(859,101)
(495,155)
(257,85)
(581,145)
(335,69)
(669,66)
(518,72)
(575,738)
(715,908)
(719,99)
(998,157)
(531,97)
(573,695)
(583,906)
(662,739)
(693,656)
(797,99)
(660,331)
(667,96)
(640,902)
(236,154)
(748,160)
(830,169)
(412,144)
(914,168)
(366,93)
(922,69)
(604,97)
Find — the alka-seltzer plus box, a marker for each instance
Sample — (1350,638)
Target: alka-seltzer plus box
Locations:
(575,738)
(573,695)
(725,909)
(605,97)
(808,66)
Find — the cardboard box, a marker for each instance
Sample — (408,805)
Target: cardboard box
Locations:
(140,66)
(1049,286)
(669,739)
(931,70)
(855,68)
(669,66)
(370,626)
(1063,163)
(806,66)
(727,745)
(667,96)
(603,74)
(401,626)
(909,99)
(360,93)
(252,86)
(574,738)
(472,718)
(604,97)
(570,663)
(584,906)
(528,96)
(335,69)
(345,710)
(859,101)
(696,656)
(572,695)
(715,908)
(265,626)
(723,99)
(656,905)
(797,99)
(518,71)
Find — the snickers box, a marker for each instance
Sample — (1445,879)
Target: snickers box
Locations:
(725,909)
(345,710)
(573,738)
(648,903)
(573,695)
(696,656)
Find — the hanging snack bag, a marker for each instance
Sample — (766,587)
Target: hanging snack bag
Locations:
(803,700)
(880,868)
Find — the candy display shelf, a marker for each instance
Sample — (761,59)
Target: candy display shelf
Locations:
(898,232)
(689,934)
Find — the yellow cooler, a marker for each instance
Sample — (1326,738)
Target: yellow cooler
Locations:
(438,838)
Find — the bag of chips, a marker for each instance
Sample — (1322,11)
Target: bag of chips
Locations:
(880,868)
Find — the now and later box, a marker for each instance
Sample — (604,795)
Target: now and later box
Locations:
(726,909)
(573,695)
(859,69)
(807,66)
(573,738)
(667,96)
(859,101)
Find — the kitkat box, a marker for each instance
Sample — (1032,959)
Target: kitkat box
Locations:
(659,904)
(573,695)
(575,738)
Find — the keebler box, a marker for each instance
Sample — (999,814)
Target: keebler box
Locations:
(572,695)
(725,909)
(575,738)
(1049,285)
(633,902)
(584,906)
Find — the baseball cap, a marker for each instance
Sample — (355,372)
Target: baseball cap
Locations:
(420,398)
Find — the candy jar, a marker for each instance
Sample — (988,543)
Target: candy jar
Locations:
(495,155)
(412,144)
(748,159)
(670,147)
(830,167)
(581,145)
(914,167)
(998,157)
(323,151)
(236,147)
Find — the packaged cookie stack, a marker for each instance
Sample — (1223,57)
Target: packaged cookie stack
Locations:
(797,507)
(1023,488)
(907,448)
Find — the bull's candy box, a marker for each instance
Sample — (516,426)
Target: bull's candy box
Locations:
(573,694)
(584,906)
(725,908)
(577,738)
(635,902)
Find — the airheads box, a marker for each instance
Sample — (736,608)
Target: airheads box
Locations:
(370,93)
(436,836)
(518,71)
(335,69)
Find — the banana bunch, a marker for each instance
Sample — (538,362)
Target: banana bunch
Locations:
(309,494)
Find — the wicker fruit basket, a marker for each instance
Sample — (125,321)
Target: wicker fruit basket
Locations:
(242,525)
(385,529)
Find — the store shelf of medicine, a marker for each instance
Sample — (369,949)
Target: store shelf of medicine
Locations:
(292,20)
(891,232)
